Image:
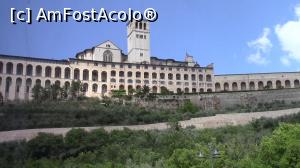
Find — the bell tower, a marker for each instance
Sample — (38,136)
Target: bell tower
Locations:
(138,41)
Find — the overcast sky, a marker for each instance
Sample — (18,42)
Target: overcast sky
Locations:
(237,36)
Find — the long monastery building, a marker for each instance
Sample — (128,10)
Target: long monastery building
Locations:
(105,67)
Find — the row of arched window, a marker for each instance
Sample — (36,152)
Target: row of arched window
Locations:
(85,76)
(256,86)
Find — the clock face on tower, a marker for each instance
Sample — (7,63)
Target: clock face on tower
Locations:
(107,56)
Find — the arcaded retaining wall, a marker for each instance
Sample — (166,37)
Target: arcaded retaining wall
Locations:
(228,99)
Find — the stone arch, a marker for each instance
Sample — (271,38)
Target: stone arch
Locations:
(85,88)
(107,56)
(57,83)
(154,75)
(38,70)
(217,87)
(67,85)
(138,74)
(28,88)
(226,86)
(270,85)
(76,74)
(200,77)
(9,68)
(57,72)
(129,74)
(162,76)
(178,90)
(85,75)
(95,75)
(201,90)
(138,87)
(38,82)
(193,76)
(146,75)
(287,84)
(29,69)
(113,73)
(278,84)
(260,85)
(121,74)
(154,89)
(121,87)
(252,85)
(48,71)
(103,88)
(186,77)
(234,86)
(296,83)
(145,27)
(18,87)
(8,83)
(47,83)
(67,74)
(95,88)
(209,90)
(178,77)
(19,69)
(208,78)
(243,86)
(170,76)
(194,90)
(186,90)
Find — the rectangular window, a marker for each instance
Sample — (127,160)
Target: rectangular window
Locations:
(144,36)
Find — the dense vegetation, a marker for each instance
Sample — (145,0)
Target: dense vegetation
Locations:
(89,112)
(253,145)
(95,112)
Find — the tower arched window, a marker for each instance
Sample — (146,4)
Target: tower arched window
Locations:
(107,56)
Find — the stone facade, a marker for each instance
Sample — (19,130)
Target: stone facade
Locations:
(105,67)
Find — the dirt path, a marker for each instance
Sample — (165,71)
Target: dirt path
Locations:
(219,120)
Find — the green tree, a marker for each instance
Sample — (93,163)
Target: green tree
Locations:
(282,148)
(45,145)
(185,158)
(76,89)
(164,90)
(37,93)
(188,106)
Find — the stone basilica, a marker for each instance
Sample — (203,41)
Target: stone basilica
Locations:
(105,67)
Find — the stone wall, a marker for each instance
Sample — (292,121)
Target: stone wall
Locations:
(228,99)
